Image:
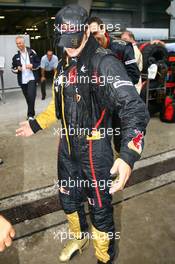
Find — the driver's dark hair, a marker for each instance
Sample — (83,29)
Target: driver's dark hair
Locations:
(96,20)
(130,34)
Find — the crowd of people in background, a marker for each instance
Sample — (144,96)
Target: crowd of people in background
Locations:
(27,64)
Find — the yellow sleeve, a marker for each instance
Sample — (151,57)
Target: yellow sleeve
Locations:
(48,116)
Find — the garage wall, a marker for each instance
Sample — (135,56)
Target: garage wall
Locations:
(115,17)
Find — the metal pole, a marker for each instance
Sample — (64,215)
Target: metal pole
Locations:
(147,92)
(2,86)
(172,27)
(171,11)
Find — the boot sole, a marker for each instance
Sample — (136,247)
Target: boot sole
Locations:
(76,252)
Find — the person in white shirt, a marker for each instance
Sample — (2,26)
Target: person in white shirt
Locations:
(129,36)
(49,63)
(26,64)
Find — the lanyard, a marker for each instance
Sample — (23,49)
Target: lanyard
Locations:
(24,58)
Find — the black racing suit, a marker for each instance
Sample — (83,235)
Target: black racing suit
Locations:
(85,156)
(125,53)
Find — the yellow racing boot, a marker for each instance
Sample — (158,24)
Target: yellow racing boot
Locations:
(72,247)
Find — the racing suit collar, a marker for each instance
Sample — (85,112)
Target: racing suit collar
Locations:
(108,39)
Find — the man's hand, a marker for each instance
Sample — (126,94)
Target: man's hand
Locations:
(157,41)
(121,168)
(29,66)
(19,68)
(43,79)
(7,233)
(24,130)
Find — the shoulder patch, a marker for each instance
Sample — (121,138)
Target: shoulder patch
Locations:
(101,50)
(136,143)
(119,41)
(120,83)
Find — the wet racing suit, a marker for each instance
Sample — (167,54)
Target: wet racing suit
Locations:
(86,157)
(125,53)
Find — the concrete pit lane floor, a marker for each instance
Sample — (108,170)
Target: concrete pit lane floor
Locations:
(144,212)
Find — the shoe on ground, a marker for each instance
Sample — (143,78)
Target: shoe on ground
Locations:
(72,247)
(1,162)
(100,262)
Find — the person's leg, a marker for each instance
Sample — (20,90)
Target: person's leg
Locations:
(31,98)
(49,80)
(24,88)
(43,89)
(71,198)
(50,76)
(98,165)
(103,230)
(25,91)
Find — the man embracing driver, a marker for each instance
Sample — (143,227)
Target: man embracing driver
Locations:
(84,103)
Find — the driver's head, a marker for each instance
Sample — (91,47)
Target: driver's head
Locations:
(128,36)
(71,29)
(20,43)
(49,54)
(97,28)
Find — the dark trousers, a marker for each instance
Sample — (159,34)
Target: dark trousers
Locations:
(29,91)
(90,162)
(49,76)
